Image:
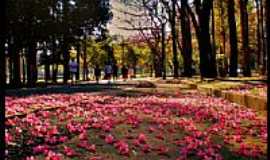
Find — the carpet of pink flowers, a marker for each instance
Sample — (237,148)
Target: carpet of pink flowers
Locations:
(86,126)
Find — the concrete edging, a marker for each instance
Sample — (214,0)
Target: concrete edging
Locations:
(250,101)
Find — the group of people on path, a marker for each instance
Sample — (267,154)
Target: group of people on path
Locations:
(111,72)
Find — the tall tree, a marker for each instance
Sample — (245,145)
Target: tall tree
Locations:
(2,75)
(267,11)
(65,48)
(245,37)
(222,27)
(233,39)
(163,45)
(151,27)
(259,33)
(264,43)
(16,65)
(186,38)
(213,30)
(201,24)
(33,22)
(172,21)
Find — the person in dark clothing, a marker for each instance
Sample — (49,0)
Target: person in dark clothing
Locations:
(97,73)
(115,72)
(124,72)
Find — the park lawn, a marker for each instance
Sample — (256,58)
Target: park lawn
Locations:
(136,126)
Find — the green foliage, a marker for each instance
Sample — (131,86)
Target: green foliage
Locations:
(97,55)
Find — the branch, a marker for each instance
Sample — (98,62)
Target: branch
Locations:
(194,21)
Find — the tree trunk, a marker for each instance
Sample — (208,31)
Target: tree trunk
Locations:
(264,43)
(16,76)
(2,72)
(163,45)
(66,60)
(174,39)
(157,63)
(245,38)
(207,59)
(223,28)
(31,65)
(259,33)
(65,46)
(78,61)
(23,69)
(55,61)
(47,67)
(186,39)
(233,39)
(213,36)
(267,12)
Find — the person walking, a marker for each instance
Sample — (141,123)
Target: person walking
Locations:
(131,72)
(73,70)
(108,72)
(97,73)
(124,72)
(115,72)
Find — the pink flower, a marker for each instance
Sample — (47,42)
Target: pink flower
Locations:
(53,156)
(142,138)
(8,138)
(41,149)
(53,131)
(106,128)
(162,150)
(30,158)
(160,136)
(146,148)
(95,158)
(109,139)
(136,142)
(151,129)
(91,148)
(122,147)
(83,136)
(69,151)
(63,139)
(85,145)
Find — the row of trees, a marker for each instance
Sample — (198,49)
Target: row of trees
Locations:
(49,27)
(215,26)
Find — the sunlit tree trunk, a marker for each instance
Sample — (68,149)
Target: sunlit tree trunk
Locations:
(223,28)
(213,35)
